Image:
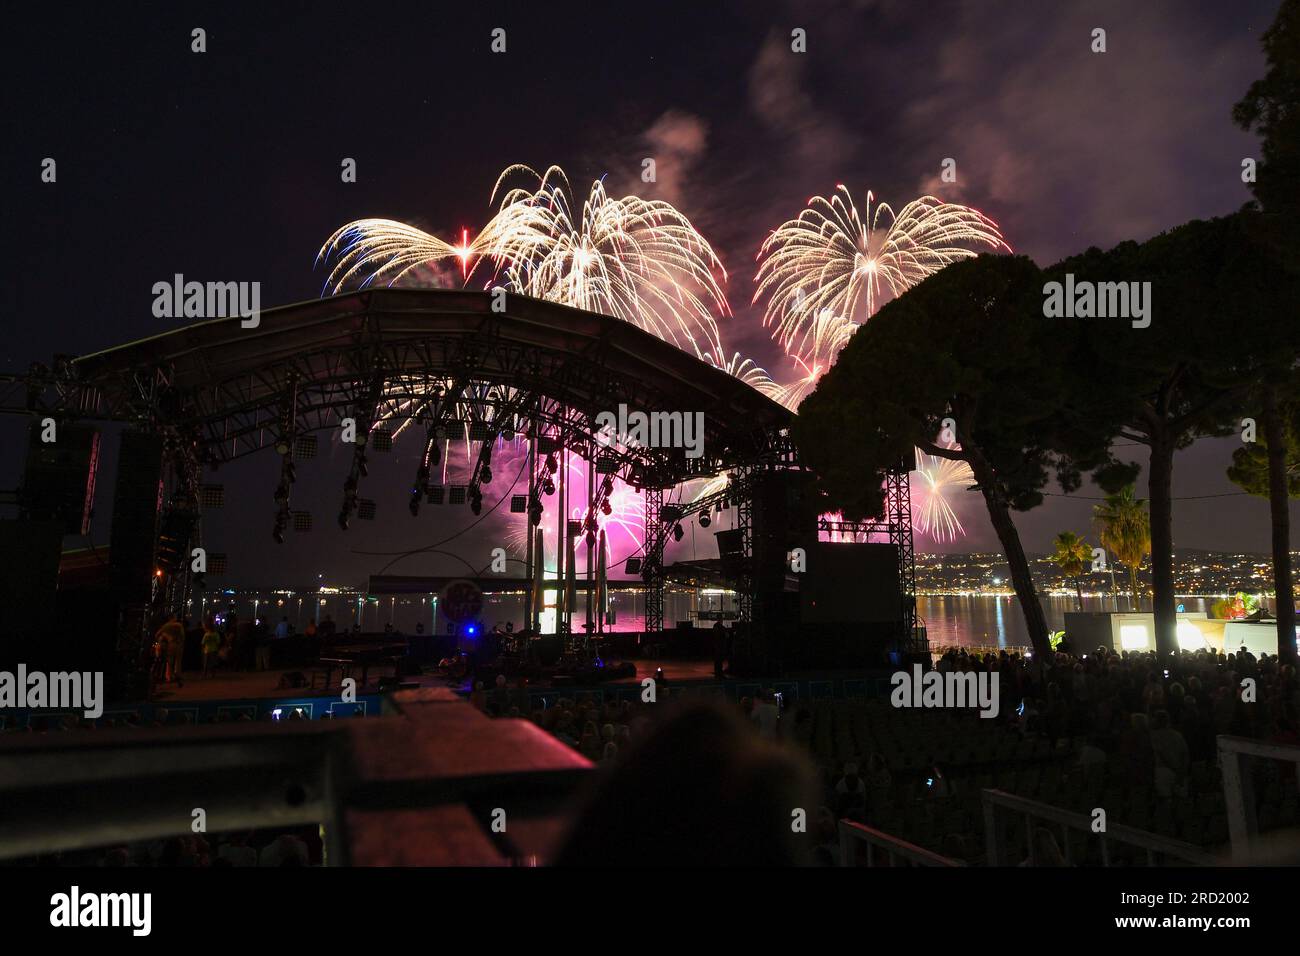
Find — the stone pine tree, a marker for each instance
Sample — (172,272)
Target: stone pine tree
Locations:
(963,357)
(1271,108)
(1214,295)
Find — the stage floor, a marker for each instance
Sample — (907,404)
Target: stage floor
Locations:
(261,685)
(257,685)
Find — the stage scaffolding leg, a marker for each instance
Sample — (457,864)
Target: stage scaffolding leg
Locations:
(745,582)
(530,594)
(653,568)
(898,492)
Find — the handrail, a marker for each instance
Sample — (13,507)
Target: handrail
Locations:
(893,846)
(389,790)
(1153,843)
(1239,787)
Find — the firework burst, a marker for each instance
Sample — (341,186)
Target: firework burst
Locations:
(748,371)
(833,260)
(370,249)
(638,260)
(934,516)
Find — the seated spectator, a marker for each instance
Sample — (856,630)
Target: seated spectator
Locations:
(699,790)
(1170,756)
(851,793)
(285,850)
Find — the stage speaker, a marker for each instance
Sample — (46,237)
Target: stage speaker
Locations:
(136,503)
(29,554)
(731,552)
(59,480)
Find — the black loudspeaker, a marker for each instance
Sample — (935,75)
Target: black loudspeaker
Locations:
(59,480)
(29,554)
(731,552)
(136,503)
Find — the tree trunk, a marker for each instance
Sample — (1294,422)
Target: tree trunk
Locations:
(1021,578)
(1160,482)
(1078,589)
(1134,603)
(1279,506)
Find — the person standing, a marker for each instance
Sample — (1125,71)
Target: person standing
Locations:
(172,637)
(719,647)
(211,646)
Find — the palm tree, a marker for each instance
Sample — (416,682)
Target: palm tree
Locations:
(1126,533)
(1072,555)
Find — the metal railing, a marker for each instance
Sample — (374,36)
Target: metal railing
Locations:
(894,848)
(1035,810)
(391,790)
(1239,790)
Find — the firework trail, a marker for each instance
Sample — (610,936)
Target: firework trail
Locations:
(934,516)
(833,260)
(748,371)
(638,260)
(624,526)
(375,248)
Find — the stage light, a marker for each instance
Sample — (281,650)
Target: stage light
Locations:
(632,565)
(366,509)
(212,496)
(485,476)
(518,504)
(343,520)
(304,447)
(381,439)
(548,487)
(302,521)
(535,514)
(677,532)
(705,520)
(282,446)
(605,508)
(552,465)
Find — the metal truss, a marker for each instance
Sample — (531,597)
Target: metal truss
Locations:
(652,569)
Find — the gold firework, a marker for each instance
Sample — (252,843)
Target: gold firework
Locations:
(833,260)
(638,260)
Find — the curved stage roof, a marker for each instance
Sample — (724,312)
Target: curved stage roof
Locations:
(230,382)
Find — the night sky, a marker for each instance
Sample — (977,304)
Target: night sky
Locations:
(225,166)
